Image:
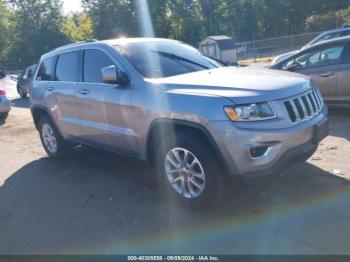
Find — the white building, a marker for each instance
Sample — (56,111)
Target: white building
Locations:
(220,47)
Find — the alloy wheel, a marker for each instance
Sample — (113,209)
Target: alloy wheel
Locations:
(49,138)
(184,172)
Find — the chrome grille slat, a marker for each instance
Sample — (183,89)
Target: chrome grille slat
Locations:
(296,112)
(305,106)
(310,105)
(316,100)
(319,97)
(313,103)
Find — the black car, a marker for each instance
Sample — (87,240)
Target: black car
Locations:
(25,81)
(2,73)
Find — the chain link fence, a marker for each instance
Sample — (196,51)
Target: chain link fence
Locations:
(273,46)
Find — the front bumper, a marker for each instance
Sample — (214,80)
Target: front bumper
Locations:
(5,104)
(284,146)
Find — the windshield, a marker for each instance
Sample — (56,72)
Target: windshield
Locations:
(165,58)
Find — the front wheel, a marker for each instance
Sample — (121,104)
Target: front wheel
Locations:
(189,169)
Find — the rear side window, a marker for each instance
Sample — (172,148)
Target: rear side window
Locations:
(67,67)
(94,61)
(346,33)
(328,37)
(46,69)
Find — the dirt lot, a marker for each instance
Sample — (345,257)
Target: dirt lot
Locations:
(96,202)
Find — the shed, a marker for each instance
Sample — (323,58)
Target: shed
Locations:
(220,47)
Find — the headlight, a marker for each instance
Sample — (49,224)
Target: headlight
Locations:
(251,112)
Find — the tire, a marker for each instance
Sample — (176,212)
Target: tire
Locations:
(21,93)
(210,186)
(54,144)
(3,116)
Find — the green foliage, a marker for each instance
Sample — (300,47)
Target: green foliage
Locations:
(112,18)
(35,29)
(191,20)
(332,19)
(77,27)
(4,29)
(30,28)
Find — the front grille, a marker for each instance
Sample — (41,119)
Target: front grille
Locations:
(304,106)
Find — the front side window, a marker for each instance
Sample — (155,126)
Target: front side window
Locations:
(45,72)
(319,57)
(94,61)
(66,68)
(165,58)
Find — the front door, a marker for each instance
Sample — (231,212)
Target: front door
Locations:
(106,111)
(325,78)
(322,65)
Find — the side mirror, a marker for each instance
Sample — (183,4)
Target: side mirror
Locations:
(113,75)
(291,66)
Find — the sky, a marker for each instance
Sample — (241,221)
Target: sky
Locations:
(71,5)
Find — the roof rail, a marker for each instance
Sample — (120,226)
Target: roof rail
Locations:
(77,43)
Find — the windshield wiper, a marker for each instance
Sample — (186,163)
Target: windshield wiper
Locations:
(179,58)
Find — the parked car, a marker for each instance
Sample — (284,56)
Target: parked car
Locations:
(200,124)
(328,35)
(328,64)
(5,106)
(2,73)
(25,81)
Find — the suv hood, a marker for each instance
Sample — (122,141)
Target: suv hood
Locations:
(240,85)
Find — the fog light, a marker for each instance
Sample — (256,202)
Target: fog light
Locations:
(258,151)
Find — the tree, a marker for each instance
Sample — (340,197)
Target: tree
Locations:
(30,28)
(330,20)
(186,21)
(112,18)
(4,29)
(77,27)
(35,30)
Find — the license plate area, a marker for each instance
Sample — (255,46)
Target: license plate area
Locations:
(320,132)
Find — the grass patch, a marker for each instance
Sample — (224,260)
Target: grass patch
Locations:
(256,60)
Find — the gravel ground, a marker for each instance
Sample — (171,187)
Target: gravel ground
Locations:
(96,202)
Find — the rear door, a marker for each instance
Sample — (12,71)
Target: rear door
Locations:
(44,77)
(106,112)
(64,93)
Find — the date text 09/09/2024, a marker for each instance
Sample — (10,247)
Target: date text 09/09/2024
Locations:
(173,258)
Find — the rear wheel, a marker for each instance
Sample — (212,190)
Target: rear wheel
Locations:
(53,143)
(190,171)
(21,93)
(3,116)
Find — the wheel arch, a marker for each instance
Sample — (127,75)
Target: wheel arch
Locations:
(169,127)
(40,111)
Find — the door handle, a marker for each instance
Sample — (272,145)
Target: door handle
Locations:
(50,88)
(327,74)
(83,91)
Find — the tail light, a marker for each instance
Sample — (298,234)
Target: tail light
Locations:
(2,92)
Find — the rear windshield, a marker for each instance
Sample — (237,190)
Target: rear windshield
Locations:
(165,58)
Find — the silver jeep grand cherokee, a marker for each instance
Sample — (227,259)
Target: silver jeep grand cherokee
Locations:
(162,101)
